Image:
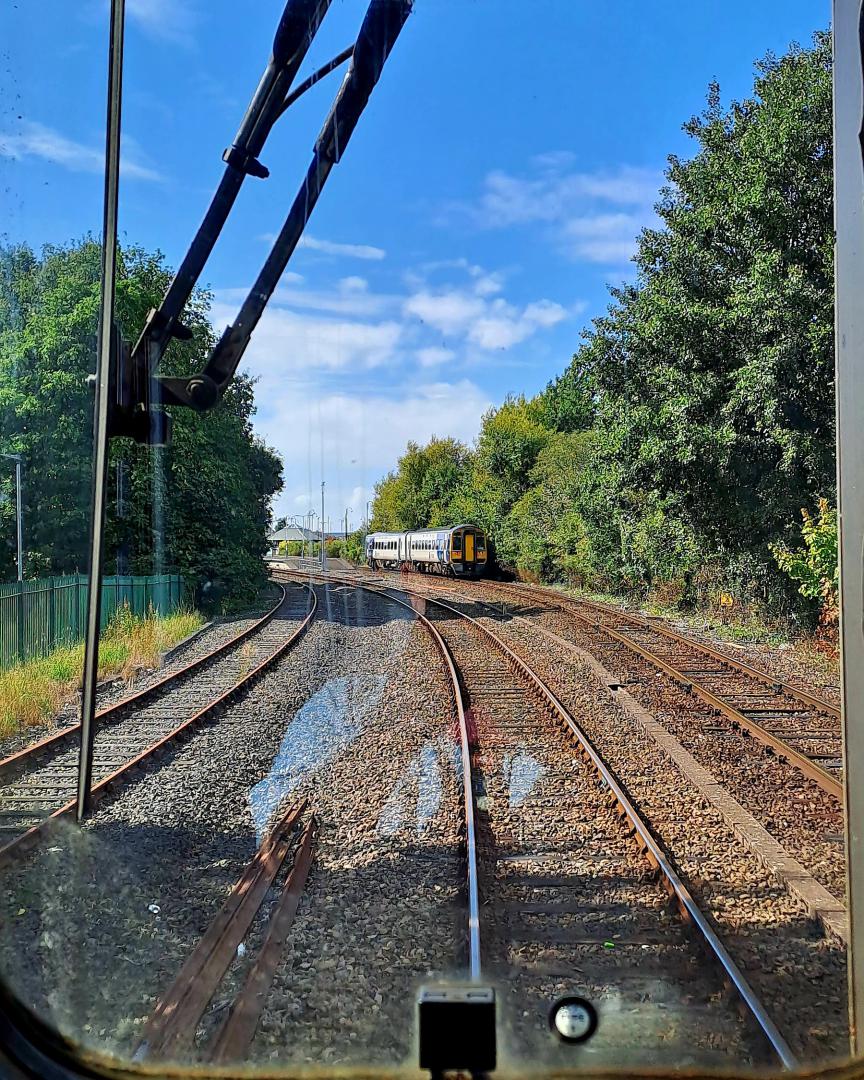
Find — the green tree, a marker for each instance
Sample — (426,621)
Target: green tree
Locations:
(420,492)
(200,506)
(354,547)
(715,369)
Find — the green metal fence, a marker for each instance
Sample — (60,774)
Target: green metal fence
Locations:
(37,616)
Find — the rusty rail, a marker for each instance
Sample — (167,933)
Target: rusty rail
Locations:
(112,782)
(687,906)
(235,1034)
(783,749)
(15,763)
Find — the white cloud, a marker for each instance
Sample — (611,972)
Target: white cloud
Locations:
(489,324)
(166,20)
(605,238)
(451,312)
(434,355)
(357,436)
(577,210)
(488,284)
(350,327)
(349,298)
(291,342)
(553,195)
(352,251)
(326,361)
(40,141)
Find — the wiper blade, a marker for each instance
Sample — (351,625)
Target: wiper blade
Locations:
(140,390)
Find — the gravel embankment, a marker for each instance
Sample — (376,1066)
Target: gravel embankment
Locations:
(355,719)
(796,811)
(802,817)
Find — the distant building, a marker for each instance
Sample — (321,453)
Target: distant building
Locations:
(292,533)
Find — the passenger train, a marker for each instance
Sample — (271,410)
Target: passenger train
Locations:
(460,551)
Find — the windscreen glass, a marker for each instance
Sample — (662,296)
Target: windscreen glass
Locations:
(468,689)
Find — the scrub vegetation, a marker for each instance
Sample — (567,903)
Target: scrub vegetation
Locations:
(33,692)
(674,455)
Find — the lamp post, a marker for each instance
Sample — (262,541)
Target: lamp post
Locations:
(367,516)
(311,517)
(19,529)
(348,510)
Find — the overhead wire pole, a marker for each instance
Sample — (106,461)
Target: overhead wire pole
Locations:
(107,345)
(323,563)
(19,516)
(19,532)
(848,75)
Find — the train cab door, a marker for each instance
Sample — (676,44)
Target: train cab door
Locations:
(469,549)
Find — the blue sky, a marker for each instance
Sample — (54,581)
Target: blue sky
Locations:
(492,191)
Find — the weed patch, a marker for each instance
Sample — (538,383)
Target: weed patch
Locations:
(33,692)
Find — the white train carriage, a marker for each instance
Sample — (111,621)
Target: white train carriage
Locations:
(460,551)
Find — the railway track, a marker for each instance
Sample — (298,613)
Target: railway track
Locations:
(172,1026)
(799,727)
(38,784)
(567,884)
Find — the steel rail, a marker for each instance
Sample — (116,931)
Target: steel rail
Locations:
(783,749)
(111,783)
(649,846)
(13,765)
(655,626)
(474,962)
(174,1020)
(237,1031)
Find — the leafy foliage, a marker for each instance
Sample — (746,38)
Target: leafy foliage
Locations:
(200,506)
(353,548)
(814,568)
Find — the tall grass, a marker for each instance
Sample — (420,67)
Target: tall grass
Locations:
(33,692)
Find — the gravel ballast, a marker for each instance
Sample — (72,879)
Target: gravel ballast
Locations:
(357,719)
(782,950)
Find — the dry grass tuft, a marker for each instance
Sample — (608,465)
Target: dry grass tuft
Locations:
(33,692)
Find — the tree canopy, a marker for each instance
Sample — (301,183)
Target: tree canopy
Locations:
(199,506)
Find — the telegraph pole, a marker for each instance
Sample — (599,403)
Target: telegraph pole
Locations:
(19,529)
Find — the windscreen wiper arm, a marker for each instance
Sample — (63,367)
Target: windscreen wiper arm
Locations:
(140,390)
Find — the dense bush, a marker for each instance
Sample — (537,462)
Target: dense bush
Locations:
(814,568)
(353,548)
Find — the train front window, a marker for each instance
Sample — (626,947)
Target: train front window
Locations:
(558,787)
